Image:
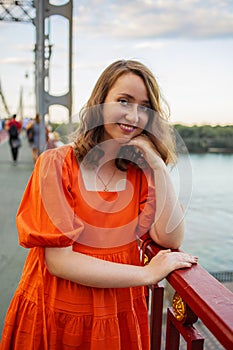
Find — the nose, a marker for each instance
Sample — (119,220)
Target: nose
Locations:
(132,114)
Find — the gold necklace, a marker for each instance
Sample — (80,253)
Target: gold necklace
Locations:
(106,184)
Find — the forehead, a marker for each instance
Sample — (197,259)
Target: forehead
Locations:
(129,82)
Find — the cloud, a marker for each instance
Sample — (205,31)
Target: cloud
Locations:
(16,60)
(149,44)
(25,48)
(89,66)
(191,19)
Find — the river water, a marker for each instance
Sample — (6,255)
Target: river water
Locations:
(204,183)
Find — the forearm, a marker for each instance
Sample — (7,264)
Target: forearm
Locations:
(168,227)
(92,272)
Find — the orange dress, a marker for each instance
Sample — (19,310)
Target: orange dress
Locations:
(50,313)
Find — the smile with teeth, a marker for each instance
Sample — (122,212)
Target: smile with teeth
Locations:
(127,128)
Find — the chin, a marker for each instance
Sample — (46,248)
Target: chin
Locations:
(123,140)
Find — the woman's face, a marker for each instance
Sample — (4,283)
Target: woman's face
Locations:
(126,108)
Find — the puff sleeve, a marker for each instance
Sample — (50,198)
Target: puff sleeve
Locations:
(46,215)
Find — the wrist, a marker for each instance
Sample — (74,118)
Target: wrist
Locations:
(147,276)
(159,166)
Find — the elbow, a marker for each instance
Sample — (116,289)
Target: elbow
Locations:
(168,239)
(51,269)
(175,245)
(54,258)
(50,262)
(178,235)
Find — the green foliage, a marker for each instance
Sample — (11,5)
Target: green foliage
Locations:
(197,139)
(64,130)
(206,138)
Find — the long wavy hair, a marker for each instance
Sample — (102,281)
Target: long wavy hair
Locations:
(90,131)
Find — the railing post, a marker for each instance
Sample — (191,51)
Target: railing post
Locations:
(193,338)
(156,316)
(172,334)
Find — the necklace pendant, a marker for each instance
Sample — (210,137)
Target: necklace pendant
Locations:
(106,184)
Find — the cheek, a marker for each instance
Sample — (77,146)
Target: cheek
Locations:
(110,113)
(108,128)
(143,121)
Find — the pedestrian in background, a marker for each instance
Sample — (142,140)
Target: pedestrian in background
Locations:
(33,135)
(14,128)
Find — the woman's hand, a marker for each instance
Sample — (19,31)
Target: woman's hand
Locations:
(165,262)
(148,151)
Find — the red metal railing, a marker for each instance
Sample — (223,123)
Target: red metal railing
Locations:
(199,295)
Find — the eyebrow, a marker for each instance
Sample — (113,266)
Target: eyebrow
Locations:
(132,98)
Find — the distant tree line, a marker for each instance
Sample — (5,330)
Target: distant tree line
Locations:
(195,139)
(206,138)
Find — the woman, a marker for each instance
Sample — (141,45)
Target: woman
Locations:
(85,205)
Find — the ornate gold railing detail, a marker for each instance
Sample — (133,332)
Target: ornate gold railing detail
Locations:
(179,307)
(145,259)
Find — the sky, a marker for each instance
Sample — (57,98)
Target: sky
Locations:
(187,44)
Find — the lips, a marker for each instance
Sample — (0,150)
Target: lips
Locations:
(127,128)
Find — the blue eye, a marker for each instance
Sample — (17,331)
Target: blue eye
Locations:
(143,108)
(123,102)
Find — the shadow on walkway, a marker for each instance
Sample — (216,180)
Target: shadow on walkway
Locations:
(13,180)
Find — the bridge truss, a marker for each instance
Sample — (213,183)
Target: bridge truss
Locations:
(37,12)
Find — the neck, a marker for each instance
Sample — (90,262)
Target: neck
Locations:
(111,149)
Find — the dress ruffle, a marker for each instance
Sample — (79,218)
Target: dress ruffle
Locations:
(62,315)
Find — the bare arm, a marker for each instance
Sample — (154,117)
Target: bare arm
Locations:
(93,272)
(168,227)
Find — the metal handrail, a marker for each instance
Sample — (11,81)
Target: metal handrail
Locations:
(205,296)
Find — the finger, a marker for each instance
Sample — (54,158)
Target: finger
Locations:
(165,251)
(186,260)
(189,256)
(193,259)
(187,264)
